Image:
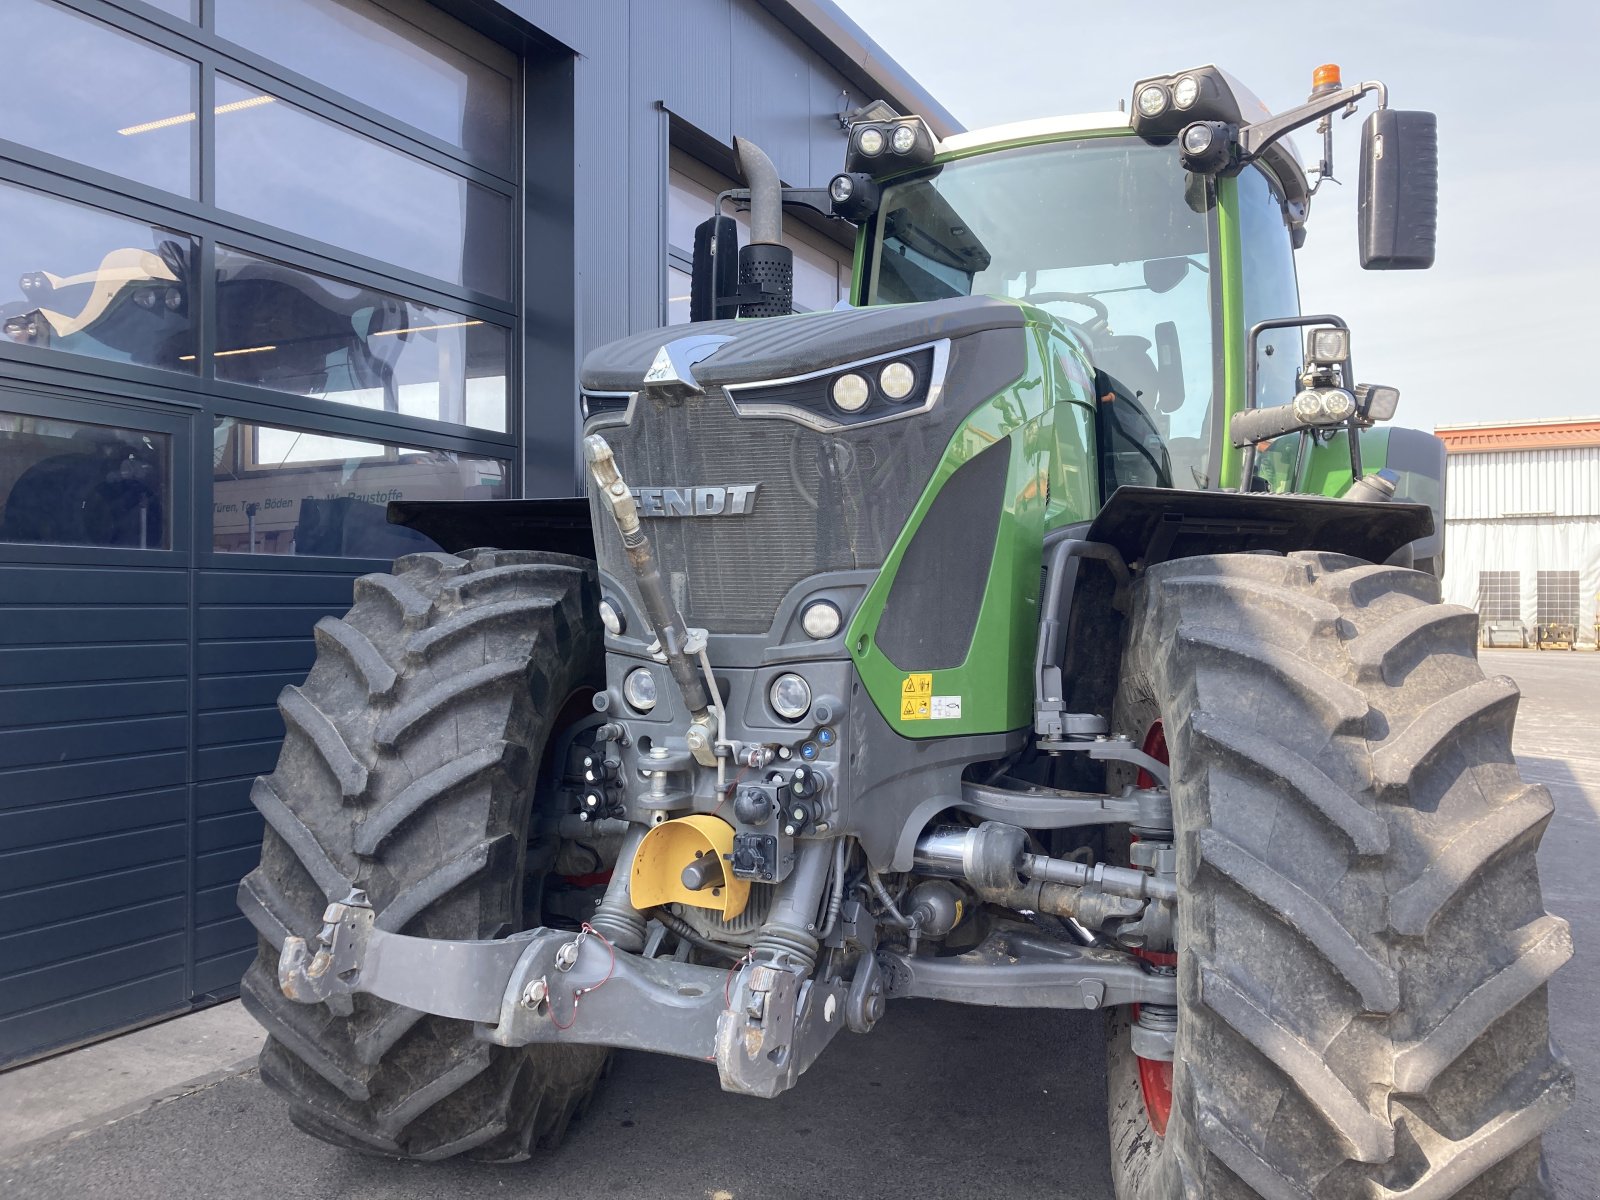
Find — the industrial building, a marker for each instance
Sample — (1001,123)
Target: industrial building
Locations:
(1522,529)
(266,267)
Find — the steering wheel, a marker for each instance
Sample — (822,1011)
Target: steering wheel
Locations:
(1101,314)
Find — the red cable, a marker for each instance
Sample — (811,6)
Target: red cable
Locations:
(727,984)
(579,993)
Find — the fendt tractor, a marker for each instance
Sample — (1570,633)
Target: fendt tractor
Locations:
(1051,626)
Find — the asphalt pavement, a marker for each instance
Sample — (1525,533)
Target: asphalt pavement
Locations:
(938,1102)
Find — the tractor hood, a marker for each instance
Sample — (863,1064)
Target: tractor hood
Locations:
(779,347)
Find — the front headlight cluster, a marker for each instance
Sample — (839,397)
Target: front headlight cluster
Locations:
(1324,406)
(880,148)
(858,393)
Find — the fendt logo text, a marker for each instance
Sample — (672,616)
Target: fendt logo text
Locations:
(736,500)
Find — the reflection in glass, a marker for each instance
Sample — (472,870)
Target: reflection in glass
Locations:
(376,57)
(75,279)
(290,330)
(293,491)
(72,484)
(72,86)
(279,164)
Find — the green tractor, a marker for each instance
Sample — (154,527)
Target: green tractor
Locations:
(1050,627)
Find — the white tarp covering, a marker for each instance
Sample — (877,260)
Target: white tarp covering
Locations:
(1527,545)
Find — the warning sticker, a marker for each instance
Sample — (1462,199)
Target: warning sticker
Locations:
(916,697)
(946,708)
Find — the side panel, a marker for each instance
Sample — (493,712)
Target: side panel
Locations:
(990,690)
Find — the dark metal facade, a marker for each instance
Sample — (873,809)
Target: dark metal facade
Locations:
(138,685)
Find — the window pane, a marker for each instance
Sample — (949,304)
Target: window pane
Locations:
(282,165)
(72,484)
(85,282)
(282,328)
(294,491)
(72,86)
(375,57)
(1270,289)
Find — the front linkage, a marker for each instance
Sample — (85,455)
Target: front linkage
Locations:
(765,1020)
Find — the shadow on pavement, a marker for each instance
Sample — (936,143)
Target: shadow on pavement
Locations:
(939,1101)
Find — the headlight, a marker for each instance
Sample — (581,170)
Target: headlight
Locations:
(871,141)
(820,620)
(1337,404)
(611,617)
(1186,91)
(1197,138)
(639,689)
(842,188)
(1152,100)
(790,696)
(897,380)
(1307,407)
(904,138)
(851,392)
(1329,344)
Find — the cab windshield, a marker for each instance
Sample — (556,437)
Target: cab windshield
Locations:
(1109,235)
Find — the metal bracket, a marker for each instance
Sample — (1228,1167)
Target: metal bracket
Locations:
(1115,749)
(774,1027)
(452,979)
(1016,968)
(1034,807)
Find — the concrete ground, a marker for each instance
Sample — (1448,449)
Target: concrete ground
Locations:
(1011,1102)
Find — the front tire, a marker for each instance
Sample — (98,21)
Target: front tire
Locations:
(409,769)
(1362,945)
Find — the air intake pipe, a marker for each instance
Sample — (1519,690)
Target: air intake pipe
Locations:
(766,263)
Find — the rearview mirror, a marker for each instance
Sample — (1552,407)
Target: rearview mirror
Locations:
(714,282)
(1399,190)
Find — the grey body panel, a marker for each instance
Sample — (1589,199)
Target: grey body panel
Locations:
(780,347)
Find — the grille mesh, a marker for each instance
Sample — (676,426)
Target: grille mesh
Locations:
(827,502)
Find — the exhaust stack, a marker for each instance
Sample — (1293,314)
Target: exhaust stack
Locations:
(766,263)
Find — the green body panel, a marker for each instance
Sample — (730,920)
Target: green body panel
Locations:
(1327,467)
(1230,276)
(1045,418)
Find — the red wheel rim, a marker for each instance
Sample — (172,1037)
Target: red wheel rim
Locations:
(1155,1075)
(1155,1081)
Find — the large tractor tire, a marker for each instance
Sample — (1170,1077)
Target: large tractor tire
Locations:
(409,770)
(1362,945)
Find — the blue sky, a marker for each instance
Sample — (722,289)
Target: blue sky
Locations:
(1507,322)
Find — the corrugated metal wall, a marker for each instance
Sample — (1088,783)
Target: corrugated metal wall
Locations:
(724,67)
(1508,483)
(1527,511)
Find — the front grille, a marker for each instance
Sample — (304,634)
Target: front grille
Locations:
(827,501)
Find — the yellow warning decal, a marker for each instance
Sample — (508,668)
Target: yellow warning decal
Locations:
(916,697)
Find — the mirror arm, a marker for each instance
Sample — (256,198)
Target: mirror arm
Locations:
(1254,139)
(816,199)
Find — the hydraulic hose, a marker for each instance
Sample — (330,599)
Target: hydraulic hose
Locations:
(664,617)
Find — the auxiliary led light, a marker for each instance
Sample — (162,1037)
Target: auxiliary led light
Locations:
(1152,100)
(820,620)
(897,380)
(871,141)
(851,392)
